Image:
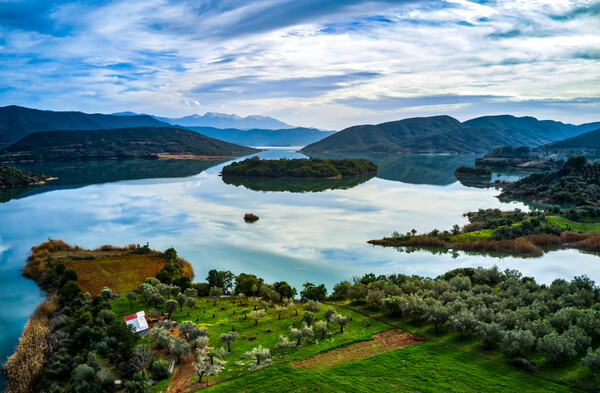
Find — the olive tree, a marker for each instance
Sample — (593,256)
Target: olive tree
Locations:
(215,293)
(557,347)
(190,302)
(308,317)
(260,354)
(180,300)
(131,296)
(171,307)
(321,327)
(256,315)
(106,293)
(592,359)
(141,358)
(178,347)
(312,306)
(341,320)
(228,338)
(518,342)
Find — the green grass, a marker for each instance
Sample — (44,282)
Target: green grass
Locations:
(472,236)
(571,373)
(355,331)
(426,367)
(574,225)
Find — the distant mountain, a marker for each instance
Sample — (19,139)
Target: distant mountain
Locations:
(137,142)
(17,122)
(223,120)
(443,134)
(262,137)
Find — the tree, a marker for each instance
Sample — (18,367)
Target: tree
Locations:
(308,318)
(256,315)
(312,306)
(137,384)
(181,300)
(228,338)
(215,293)
(160,370)
(592,359)
(313,292)
(341,320)
(178,347)
(190,292)
(131,296)
(190,302)
(190,330)
(518,342)
(106,293)
(260,354)
(436,314)
(555,347)
(141,358)
(161,335)
(328,314)
(462,322)
(304,331)
(70,290)
(248,284)
(321,328)
(284,289)
(206,367)
(171,307)
(341,289)
(220,279)
(490,334)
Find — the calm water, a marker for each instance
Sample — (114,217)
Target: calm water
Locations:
(317,232)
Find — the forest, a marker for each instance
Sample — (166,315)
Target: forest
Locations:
(299,168)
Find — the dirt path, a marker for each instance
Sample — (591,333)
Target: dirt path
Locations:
(182,374)
(382,342)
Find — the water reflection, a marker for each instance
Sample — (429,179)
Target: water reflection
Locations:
(434,169)
(297,185)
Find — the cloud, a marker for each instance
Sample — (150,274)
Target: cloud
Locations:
(332,62)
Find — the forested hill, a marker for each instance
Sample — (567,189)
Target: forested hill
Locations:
(17,122)
(589,140)
(576,183)
(299,168)
(120,143)
(444,134)
(10,177)
(264,137)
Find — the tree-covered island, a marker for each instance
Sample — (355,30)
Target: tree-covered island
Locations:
(12,177)
(299,168)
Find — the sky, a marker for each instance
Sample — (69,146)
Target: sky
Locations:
(321,63)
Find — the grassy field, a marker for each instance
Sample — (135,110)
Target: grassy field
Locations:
(471,236)
(267,332)
(426,367)
(574,225)
(122,273)
(571,373)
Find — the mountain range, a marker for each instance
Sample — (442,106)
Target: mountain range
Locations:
(444,134)
(17,122)
(135,142)
(263,137)
(220,120)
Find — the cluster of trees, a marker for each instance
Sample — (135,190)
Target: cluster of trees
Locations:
(504,310)
(299,168)
(473,171)
(509,152)
(576,183)
(10,177)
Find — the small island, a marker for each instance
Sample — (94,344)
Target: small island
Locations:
(251,218)
(305,168)
(12,177)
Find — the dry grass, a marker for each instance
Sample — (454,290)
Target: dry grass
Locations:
(122,273)
(24,366)
(382,342)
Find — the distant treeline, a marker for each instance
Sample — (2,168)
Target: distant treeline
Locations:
(300,168)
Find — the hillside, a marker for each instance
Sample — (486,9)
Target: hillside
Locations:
(17,122)
(137,142)
(443,134)
(576,183)
(11,177)
(588,142)
(264,137)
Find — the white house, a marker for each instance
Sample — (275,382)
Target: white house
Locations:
(138,321)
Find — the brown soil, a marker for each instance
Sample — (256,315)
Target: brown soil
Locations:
(382,342)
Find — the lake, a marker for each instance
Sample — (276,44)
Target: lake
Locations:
(308,231)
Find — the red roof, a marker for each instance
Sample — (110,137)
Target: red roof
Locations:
(130,317)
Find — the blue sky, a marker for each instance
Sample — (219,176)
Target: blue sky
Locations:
(323,63)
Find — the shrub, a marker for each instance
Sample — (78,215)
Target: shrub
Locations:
(160,370)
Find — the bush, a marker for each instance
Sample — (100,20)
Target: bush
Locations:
(523,364)
(160,370)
